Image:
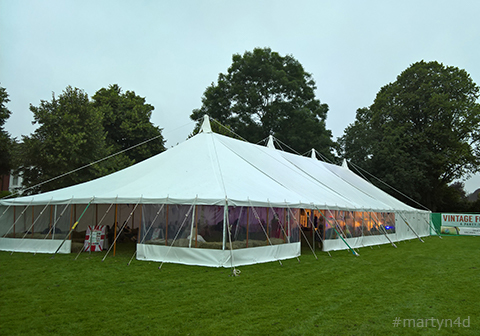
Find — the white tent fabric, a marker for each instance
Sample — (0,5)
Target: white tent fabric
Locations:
(212,169)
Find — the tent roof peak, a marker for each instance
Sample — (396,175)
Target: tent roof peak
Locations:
(270,143)
(206,127)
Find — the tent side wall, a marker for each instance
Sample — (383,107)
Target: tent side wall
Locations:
(408,226)
(42,228)
(218,236)
(217,258)
(37,229)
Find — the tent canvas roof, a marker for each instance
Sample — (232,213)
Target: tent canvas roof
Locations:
(211,169)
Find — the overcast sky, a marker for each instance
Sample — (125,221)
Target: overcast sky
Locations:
(170,51)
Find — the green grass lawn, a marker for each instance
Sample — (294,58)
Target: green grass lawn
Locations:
(337,295)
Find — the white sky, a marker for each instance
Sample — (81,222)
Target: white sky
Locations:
(170,51)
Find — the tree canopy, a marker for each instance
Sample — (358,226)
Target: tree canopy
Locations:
(126,120)
(70,135)
(265,94)
(421,133)
(74,132)
(5,140)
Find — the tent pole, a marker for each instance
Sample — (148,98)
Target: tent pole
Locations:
(268,223)
(74,218)
(140,223)
(224,233)
(50,221)
(33,216)
(54,222)
(71,217)
(191,230)
(166,227)
(121,229)
(115,230)
(195,216)
(248,223)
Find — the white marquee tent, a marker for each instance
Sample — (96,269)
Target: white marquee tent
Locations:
(217,201)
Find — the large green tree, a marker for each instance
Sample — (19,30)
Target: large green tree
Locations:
(75,131)
(5,140)
(126,119)
(70,135)
(265,94)
(421,133)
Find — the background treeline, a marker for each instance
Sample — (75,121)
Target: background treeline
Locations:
(75,131)
(419,138)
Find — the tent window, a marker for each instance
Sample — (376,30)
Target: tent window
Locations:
(203,227)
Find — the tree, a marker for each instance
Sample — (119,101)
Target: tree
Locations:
(70,135)
(126,120)
(266,94)
(5,140)
(421,133)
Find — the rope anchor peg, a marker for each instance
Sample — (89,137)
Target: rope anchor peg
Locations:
(235,272)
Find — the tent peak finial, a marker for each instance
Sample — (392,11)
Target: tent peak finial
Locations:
(206,128)
(270,143)
(313,155)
